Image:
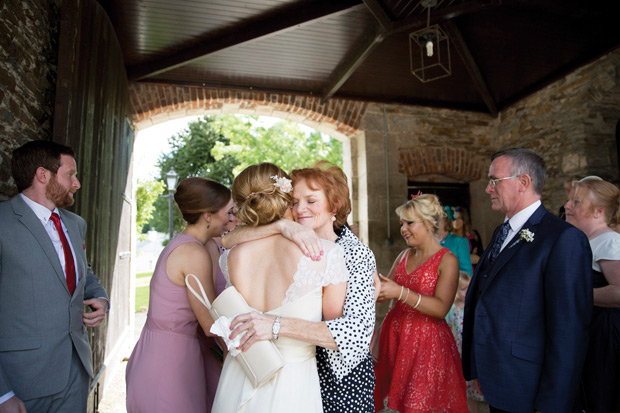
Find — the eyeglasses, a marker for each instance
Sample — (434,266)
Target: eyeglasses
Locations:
(493,182)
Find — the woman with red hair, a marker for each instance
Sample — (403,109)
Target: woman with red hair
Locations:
(345,367)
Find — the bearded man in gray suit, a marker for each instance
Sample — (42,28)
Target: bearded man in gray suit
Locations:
(45,282)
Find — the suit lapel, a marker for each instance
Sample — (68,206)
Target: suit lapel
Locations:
(32,223)
(514,245)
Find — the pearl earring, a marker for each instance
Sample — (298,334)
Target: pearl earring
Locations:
(333,218)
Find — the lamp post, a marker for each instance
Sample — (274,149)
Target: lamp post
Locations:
(171,180)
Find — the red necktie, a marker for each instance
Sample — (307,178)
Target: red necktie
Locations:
(69,264)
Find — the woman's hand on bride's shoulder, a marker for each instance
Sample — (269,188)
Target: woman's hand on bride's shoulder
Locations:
(256,325)
(305,238)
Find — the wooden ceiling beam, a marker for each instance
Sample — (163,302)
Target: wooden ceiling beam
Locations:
(456,38)
(261,26)
(379,13)
(443,14)
(350,65)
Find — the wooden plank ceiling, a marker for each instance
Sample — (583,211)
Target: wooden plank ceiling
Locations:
(501,50)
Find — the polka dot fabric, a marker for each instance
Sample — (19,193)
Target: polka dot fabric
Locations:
(347,376)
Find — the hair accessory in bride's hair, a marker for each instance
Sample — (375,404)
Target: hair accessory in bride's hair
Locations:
(283,183)
(250,195)
(414,196)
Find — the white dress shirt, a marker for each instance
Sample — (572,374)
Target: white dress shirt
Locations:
(518,220)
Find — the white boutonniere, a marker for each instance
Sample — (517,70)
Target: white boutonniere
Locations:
(526,235)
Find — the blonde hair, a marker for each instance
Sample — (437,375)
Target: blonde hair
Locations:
(427,208)
(258,200)
(463,276)
(602,194)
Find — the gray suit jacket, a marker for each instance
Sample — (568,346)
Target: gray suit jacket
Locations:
(40,323)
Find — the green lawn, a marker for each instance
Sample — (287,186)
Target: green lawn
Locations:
(142,292)
(142,297)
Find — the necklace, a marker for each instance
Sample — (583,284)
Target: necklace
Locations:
(598,231)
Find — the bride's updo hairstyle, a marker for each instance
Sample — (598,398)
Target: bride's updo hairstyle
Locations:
(195,196)
(262,193)
(427,208)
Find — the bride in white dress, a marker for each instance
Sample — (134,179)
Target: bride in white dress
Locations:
(275,278)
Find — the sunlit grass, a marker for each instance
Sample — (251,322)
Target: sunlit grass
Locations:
(142,297)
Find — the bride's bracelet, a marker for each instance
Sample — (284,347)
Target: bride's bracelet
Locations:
(402,287)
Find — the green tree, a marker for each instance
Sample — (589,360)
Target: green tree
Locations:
(147,192)
(191,156)
(221,147)
(284,144)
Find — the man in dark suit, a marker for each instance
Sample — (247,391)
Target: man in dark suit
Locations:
(45,282)
(528,307)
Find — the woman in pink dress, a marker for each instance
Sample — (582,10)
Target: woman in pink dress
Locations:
(419,368)
(166,372)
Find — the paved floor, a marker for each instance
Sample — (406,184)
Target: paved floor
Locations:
(113,400)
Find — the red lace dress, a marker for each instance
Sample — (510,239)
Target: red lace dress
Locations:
(419,366)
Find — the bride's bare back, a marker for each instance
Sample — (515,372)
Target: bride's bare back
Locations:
(264,270)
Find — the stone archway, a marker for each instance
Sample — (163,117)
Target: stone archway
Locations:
(155,103)
(456,163)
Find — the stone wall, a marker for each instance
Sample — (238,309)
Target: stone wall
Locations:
(28,59)
(571,123)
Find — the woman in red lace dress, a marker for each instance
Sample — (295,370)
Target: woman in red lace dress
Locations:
(419,367)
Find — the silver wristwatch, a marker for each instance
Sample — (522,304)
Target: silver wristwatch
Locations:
(276,328)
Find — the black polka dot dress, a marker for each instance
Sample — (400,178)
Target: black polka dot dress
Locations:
(347,375)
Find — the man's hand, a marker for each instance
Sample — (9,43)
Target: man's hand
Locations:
(257,326)
(99,307)
(305,238)
(13,405)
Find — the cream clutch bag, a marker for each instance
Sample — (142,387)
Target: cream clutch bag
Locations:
(261,361)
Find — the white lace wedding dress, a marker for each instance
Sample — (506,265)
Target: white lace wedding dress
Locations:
(295,388)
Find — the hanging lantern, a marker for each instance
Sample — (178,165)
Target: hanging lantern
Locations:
(429,50)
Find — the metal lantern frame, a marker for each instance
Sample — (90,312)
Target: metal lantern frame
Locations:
(427,68)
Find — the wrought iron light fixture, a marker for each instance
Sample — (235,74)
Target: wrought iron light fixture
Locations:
(429,49)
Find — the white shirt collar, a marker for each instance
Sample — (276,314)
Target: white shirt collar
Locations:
(42,212)
(521,217)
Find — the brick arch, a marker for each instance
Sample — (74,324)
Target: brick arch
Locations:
(456,163)
(156,103)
